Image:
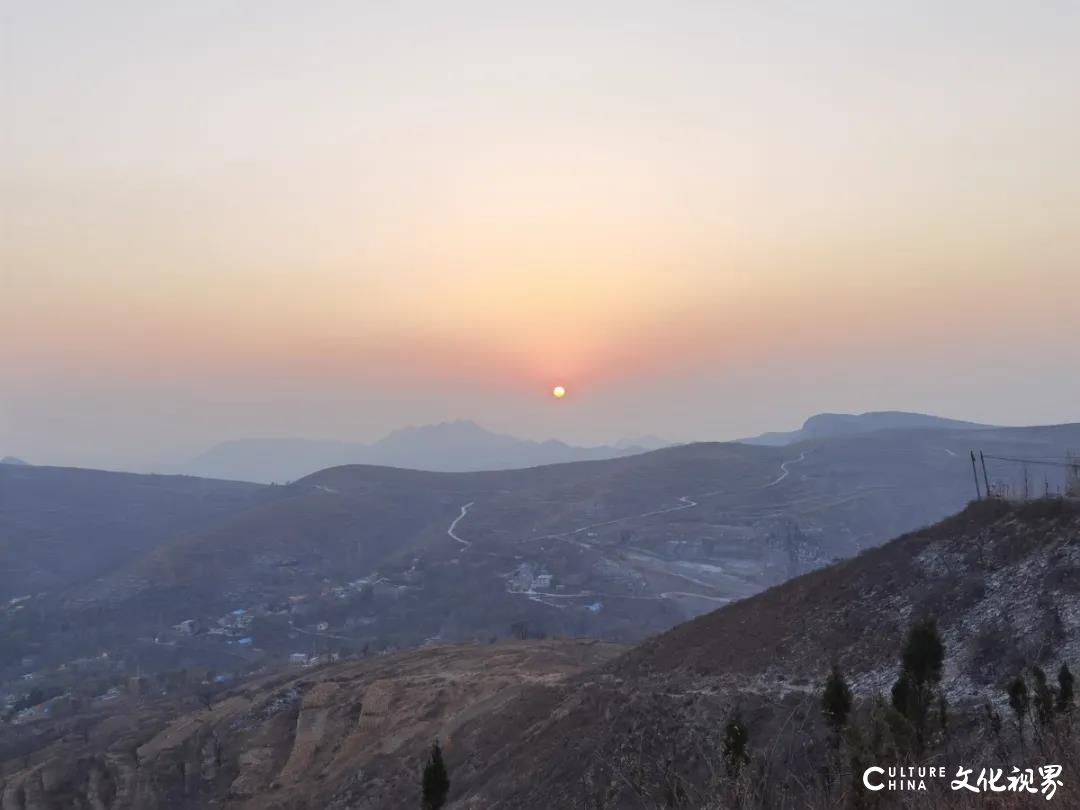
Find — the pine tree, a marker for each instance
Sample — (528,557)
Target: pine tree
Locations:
(836,703)
(736,742)
(435,783)
(924,653)
(1065,690)
(1044,696)
(1018,702)
(921,663)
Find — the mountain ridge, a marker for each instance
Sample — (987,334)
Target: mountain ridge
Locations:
(392,557)
(842,424)
(462,445)
(534,725)
(456,446)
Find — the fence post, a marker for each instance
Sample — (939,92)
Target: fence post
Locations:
(978,495)
(986,478)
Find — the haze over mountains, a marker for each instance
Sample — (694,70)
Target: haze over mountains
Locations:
(128,601)
(458,446)
(255,255)
(464,446)
(841,424)
(388,557)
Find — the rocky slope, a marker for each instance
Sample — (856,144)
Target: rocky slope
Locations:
(343,736)
(558,724)
(1002,580)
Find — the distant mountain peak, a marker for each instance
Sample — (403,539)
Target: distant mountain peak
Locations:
(14,461)
(842,424)
(648,442)
(457,445)
(828,423)
(441,434)
(453,427)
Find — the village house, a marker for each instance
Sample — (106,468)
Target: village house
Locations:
(526,578)
(237,619)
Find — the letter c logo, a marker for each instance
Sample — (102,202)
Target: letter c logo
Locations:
(866,778)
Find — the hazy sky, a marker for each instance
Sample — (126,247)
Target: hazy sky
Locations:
(224,218)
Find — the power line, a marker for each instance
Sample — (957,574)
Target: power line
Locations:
(1067,459)
(1047,462)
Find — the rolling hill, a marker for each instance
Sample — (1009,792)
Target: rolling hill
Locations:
(61,527)
(544,724)
(359,557)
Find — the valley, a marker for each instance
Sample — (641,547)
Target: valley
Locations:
(539,406)
(572,723)
(356,560)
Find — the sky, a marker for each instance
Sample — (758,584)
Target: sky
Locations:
(228,218)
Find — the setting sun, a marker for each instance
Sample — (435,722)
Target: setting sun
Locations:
(558,392)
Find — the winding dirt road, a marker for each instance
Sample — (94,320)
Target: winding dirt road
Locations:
(784,471)
(685,502)
(456,521)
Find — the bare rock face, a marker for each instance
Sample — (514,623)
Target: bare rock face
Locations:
(311,732)
(255,767)
(349,735)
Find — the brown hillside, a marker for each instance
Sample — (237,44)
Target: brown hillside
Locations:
(1002,579)
(545,724)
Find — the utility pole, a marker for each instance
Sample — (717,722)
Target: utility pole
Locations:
(986,478)
(978,495)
